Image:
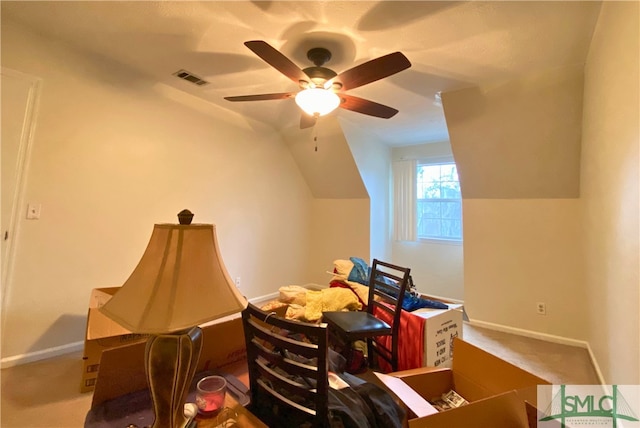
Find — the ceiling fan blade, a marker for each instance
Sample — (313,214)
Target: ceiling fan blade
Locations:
(261,97)
(307,121)
(371,108)
(277,60)
(373,70)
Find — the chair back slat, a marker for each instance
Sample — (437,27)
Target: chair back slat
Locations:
(288,369)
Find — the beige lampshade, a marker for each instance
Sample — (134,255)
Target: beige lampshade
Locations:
(180,282)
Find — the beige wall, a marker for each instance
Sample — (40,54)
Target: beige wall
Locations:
(518,139)
(113,155)
(330,171)
(339,230)
(436,267)
(609,187)
(517,147)
(340,218)
(518,252)
(528,235)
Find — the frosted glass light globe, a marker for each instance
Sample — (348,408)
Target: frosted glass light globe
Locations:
(317,100)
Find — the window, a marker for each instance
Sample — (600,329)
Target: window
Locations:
(427,202)
(439,204)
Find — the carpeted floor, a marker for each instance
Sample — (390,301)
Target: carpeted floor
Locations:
(559,364)
(46,394)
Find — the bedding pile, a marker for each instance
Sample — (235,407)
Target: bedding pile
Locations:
(354,274)
(306,305)
(348,291)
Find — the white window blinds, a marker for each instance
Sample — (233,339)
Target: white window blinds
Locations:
(404,200)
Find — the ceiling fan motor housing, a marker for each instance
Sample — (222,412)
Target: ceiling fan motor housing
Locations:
(319,75)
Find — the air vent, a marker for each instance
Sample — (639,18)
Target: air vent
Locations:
(185,75)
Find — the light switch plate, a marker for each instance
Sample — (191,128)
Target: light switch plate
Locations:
(33,211)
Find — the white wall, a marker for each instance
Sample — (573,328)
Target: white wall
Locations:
(372,158)
(609,192)
(113,155)
(437,268)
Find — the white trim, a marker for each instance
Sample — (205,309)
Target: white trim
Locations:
(542,336)
(264,299)
(23,165)
(530,333)
(441,241)
(44,354)
(41,355)
(273,296)
(596,367)
(442,299)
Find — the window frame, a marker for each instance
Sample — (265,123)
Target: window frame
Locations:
(446,160)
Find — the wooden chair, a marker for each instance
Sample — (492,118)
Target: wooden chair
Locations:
(288,369)
(387,286)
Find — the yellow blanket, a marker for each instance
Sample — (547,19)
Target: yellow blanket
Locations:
(329,299)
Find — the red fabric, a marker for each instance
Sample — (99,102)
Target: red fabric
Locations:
(410,333)
(410,340)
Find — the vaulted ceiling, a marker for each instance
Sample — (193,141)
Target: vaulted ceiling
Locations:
(451,45)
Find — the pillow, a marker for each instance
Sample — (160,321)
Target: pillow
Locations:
(341,269)
(293,294)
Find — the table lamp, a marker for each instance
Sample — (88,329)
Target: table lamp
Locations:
(179,283)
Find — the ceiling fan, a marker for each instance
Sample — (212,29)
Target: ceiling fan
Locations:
(321,89)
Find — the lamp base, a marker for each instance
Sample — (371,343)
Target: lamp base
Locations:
(171,360)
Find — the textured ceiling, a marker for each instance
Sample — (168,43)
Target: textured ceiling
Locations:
(450,45)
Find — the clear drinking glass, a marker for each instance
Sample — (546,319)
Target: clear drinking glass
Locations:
(210,395)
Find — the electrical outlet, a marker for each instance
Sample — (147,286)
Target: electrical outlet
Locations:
(541,308)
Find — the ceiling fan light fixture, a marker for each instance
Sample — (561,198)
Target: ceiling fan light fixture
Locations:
(317,100)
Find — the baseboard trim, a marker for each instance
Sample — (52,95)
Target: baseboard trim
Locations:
(596,367)
(542,336)
(274,296)
(43,354)
(264,299)
(442,298)
(530,333)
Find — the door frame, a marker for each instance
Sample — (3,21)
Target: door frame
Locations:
(22,168)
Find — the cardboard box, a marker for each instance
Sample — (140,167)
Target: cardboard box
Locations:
(441,326)
(121,395)
(496,390)
(101,333)
(223,348)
